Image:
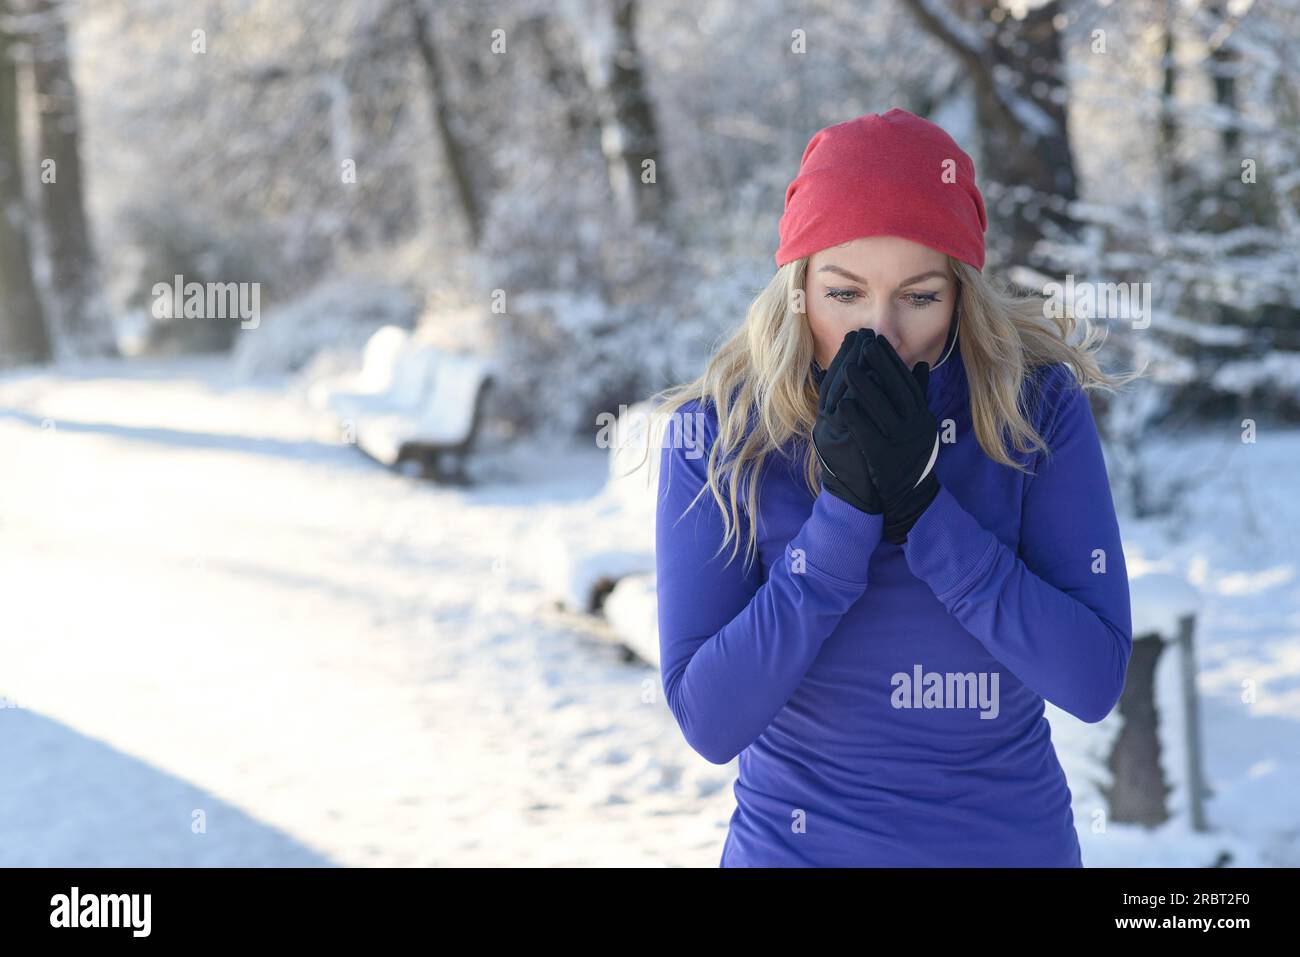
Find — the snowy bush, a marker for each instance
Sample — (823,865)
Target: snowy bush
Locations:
(570,356)
(162,241)
(566,357)
(335,318)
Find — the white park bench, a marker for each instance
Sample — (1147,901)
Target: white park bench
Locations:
(412,402)
(599,556)
(438,427)
(378,360)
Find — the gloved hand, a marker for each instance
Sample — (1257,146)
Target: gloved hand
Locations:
(885,408)
(844,467)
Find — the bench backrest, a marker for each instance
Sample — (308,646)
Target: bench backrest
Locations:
(414,376)
(379,358)
(457,384)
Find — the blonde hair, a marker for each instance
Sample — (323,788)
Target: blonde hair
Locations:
(760,383)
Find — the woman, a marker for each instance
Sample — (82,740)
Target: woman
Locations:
(914,587)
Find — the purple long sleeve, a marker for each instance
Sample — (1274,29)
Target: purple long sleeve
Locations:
(733,648)
(1057,615)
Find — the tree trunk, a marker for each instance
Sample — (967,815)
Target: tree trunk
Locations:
(23,336)
(1167,141)
(1224,62)
(629,133)
(564,77)
(1021,113)
(79,310)
(453,151)
(1137,794)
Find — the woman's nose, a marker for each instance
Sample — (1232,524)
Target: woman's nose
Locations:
(883,326)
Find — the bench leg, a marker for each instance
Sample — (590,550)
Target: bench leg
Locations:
(445,466)
(454,474)
(429,464)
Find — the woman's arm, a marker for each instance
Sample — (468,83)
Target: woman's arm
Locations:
(1053,616)
(733,648)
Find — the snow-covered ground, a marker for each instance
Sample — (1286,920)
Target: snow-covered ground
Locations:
(210,606)
(227,639)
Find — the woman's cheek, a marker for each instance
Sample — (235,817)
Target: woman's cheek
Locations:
(826,340)
(923,340)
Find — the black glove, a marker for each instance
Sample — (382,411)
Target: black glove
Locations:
(844,467)
(885,408)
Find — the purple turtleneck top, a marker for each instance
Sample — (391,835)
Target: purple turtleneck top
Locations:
(886,701)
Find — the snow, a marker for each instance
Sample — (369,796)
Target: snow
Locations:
(1204,333)
(340,314)
(612,535)
(378,360)
(632,610)
(210,604)
(406,391)
(449,413)
(1028,114)
(1159,601)
(431,401)
(960,31)
(213,606)
(1280,370)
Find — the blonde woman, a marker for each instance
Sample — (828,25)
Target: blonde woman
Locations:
(899,540)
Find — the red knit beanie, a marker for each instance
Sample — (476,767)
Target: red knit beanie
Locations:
(884,174)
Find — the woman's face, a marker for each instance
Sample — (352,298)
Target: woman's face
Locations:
(900,289)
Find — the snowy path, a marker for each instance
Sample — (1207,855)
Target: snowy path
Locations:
(210,612)
(209,607)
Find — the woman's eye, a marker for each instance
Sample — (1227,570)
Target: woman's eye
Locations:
(917,300)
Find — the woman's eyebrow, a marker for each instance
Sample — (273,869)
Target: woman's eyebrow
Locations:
(906,282)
